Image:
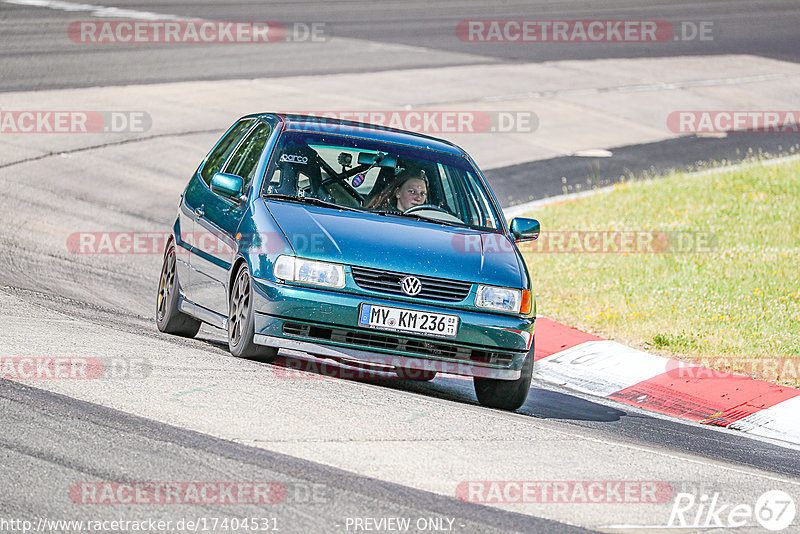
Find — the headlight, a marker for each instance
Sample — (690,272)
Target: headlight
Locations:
(309,271)
(503,299)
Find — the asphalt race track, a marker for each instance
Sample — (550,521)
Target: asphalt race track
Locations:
(343,453)
(764,28)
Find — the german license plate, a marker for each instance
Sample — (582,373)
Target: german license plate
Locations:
(402,320)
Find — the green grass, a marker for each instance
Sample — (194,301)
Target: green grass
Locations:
(734,307)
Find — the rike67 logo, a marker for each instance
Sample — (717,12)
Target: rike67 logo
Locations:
(774,510)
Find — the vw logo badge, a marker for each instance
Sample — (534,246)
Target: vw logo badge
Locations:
(411,285)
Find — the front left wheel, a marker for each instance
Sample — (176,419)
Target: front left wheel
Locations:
(241,320)
(169,318)
(506,394)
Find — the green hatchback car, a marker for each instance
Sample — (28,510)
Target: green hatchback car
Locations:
(370,246)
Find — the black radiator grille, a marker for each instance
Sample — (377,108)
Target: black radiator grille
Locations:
(432,288)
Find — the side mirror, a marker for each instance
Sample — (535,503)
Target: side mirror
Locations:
(524,229)
(227,185)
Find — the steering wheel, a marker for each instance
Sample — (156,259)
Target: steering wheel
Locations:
(421,207)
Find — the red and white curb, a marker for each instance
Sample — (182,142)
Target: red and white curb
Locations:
(597,366)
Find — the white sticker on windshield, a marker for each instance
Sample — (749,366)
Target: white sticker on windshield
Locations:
(294,158)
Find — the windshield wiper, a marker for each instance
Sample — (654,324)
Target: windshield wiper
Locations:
(418,218)
(312,200)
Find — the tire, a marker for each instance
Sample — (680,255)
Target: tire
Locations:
(169,318)
(415,374)
(506,394)
(241,321)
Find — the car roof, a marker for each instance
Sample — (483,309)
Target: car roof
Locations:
(299,123)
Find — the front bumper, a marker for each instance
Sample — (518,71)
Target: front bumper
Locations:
(325,323)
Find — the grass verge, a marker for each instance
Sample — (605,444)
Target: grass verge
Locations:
(707,267)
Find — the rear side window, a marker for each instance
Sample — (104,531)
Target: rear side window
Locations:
(245,160)
(216,159)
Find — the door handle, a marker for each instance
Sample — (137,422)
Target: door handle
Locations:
(199,211)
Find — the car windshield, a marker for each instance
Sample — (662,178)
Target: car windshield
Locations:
(387,178)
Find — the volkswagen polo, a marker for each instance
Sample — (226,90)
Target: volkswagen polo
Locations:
(371,246)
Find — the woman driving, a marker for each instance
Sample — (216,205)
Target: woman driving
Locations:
(408,189)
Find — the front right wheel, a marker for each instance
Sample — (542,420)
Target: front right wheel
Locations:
(506,394)
(241,320)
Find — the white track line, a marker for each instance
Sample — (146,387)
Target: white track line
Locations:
(94,10)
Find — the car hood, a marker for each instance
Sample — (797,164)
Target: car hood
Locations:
(396,243)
